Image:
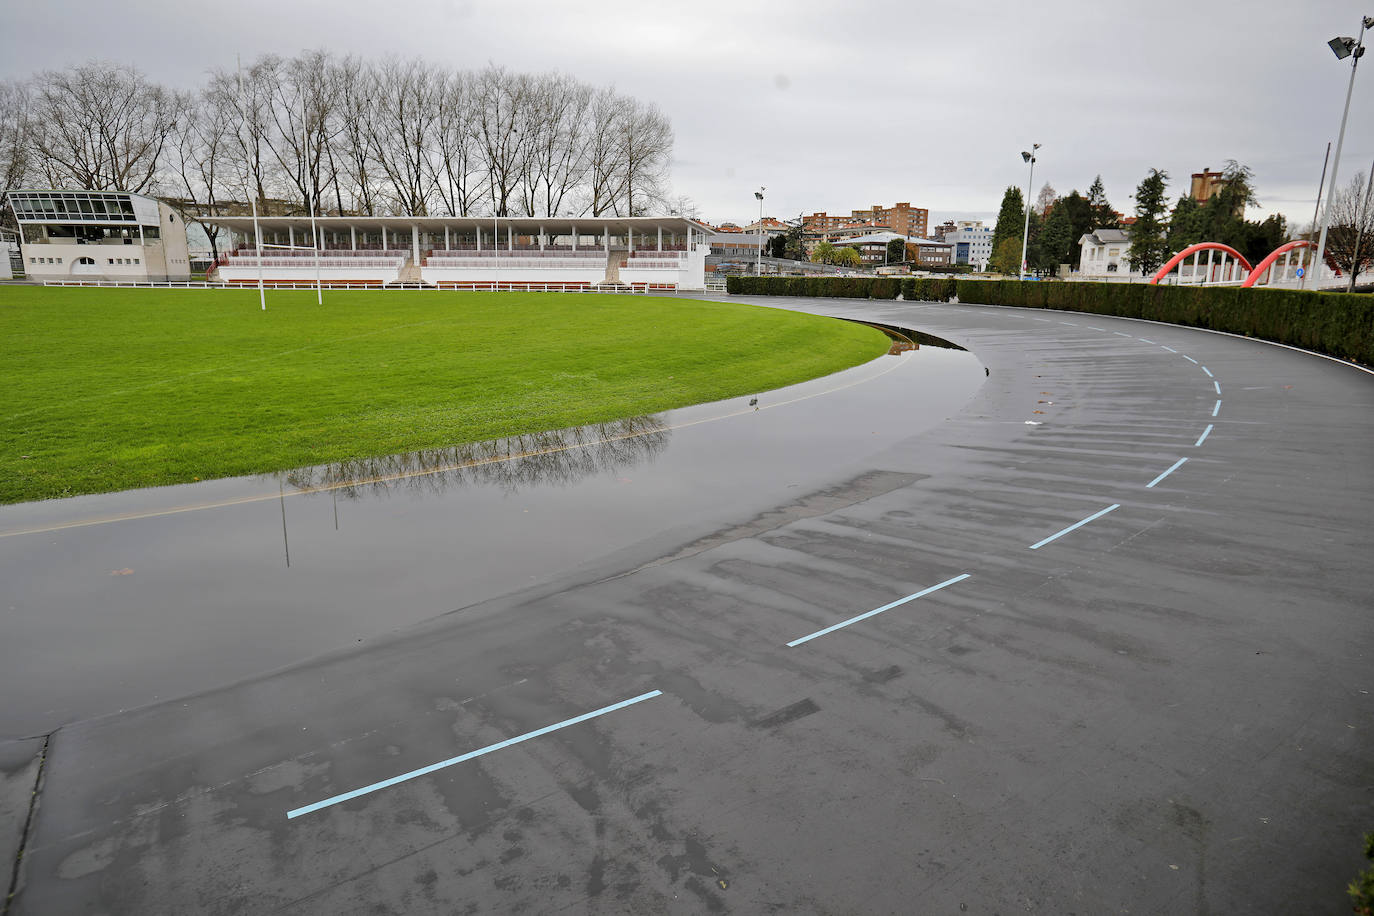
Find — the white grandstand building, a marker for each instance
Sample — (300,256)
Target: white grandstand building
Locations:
(659,253)
(98,235)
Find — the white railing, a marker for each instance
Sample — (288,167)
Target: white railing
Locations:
(655,264)
(307,263)
(309,253)
(504,254)
(514,263)
(638,289)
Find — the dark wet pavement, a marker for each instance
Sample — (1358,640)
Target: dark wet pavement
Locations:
(227,579)
(1164,708)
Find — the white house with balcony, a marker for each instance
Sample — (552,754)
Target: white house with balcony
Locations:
(1106,253)
(98,235)
(643,253)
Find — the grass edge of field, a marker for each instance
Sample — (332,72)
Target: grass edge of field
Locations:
(269,461)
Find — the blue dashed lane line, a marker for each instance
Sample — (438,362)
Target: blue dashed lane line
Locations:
(1176,465)
(386,783)
(1076,525)
(1203,438)
(886,607)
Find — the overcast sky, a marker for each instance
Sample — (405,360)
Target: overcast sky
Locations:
(835,106)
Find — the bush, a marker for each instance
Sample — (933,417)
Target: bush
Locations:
(1338,324)
(1361,890)
(829,287)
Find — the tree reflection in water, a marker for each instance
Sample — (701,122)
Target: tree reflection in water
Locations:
(554,458)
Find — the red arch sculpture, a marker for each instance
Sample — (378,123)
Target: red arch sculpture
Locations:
(1273,256)
(1192,249)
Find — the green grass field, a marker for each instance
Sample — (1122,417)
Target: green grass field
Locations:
(108,389)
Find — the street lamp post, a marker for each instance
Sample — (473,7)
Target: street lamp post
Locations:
(1030,182)
(758,258)
(1342,47)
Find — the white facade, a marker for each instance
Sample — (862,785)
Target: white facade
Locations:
(9,250)
(98,235)
(512,252)
(972,243)
(1106,253)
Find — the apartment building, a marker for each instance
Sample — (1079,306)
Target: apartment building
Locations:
(902,218)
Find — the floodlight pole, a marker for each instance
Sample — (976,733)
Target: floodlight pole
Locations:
(1316,212)
(1030,183)
(758,256)
(1355,54)
(257,237)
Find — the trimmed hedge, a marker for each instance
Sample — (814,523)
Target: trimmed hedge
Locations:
(1338,324)
(828,287)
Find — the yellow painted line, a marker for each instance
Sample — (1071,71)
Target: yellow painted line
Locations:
(407,475)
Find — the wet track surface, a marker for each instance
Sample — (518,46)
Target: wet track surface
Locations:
(155,594)
(1098,642)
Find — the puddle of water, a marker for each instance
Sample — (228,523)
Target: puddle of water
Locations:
(118,600)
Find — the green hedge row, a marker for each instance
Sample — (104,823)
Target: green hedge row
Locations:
(829,287)
(1334,323)
(922,288)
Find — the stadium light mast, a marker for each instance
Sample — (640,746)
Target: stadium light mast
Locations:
(1342,47)
(758,258)
(1030,183)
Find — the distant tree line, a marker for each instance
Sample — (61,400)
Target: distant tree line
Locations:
(349,135)
(1057,224)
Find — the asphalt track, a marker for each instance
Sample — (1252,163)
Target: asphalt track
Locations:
(1101,642)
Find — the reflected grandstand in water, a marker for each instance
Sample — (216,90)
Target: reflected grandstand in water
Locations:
(557,458)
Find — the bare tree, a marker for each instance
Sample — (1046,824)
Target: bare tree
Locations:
(500,97)
(1045,199)
(1350,230)
(101,126)
(15,150)
(245,97)
(201,159)
(300,106)
(454,163)
(645,146)
(557,148)
(399,136)
(401,131)
(353,80)
(604,178)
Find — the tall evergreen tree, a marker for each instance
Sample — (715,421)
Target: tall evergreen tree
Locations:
(1104,214)
(1033,253)
(1054,240)
(1186,224)
(1080,215)
(1010,218)
(1149,243)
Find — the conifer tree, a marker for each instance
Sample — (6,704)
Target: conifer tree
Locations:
(1010,219)
(1104,215)
(1149,244)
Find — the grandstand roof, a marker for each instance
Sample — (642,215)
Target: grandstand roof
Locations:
(523,225)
